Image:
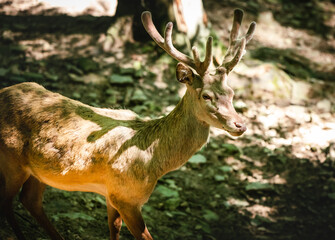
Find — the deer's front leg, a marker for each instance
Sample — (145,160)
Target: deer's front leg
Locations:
(131,214)
(134,221)
(114,222)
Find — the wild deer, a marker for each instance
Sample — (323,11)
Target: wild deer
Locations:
(48,139)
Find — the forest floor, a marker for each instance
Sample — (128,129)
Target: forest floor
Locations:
(277,181)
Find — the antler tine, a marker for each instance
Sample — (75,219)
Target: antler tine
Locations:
(237,21)
(236,47)
(209,55)
(166,44)
(250,32)
(238,56)
(151,29)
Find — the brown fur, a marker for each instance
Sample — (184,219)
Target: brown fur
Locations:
(48,139)
(75,147)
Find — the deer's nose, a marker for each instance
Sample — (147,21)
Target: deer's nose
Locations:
(240,126)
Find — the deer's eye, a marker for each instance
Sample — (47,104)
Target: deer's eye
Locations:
(206,97)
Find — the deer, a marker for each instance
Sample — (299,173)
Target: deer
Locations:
(49,139)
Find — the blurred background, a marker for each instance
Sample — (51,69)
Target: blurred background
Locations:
(277,181)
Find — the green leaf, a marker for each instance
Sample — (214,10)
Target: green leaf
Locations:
(139,109)
(210,215)
(76,95)
(110,91)
(50,76)
(125,71)
(72,68)
(172,203)
(16,78)
(167,192)
(73,216)
(139,96)
(219,178)
(331,195)
(197,158)
(87,64)
(3,72)
(93,95)
(33,76)
(112,100)
(226,168)
(75,77)
(259,220)
(231,149)
(258,186)
(120,79)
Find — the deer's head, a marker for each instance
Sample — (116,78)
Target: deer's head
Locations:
(213,98)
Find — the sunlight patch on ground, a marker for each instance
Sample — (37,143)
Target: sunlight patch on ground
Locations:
(294,126)
(261,210)
(63,46)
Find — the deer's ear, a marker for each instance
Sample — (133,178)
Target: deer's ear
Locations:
(184,74)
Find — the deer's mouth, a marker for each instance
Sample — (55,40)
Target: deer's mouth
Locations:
(234,133)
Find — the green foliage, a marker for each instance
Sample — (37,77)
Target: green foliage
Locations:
(72,216)
(210,215)
(231,149)
(166,192)
(87,64)
(121,79)
(197,159)
(139,96)
(258,186)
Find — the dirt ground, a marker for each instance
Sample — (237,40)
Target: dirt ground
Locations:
(277,181)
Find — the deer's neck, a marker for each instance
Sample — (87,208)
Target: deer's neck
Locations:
(181,134)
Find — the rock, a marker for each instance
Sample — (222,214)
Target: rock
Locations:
(300,92)
(324,105)
(298,113)
(268,78)
(331,152)
(240,106)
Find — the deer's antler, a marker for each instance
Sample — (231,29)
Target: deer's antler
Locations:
(166,43)
(237,45)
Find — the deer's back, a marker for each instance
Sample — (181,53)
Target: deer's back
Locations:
(47,131)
